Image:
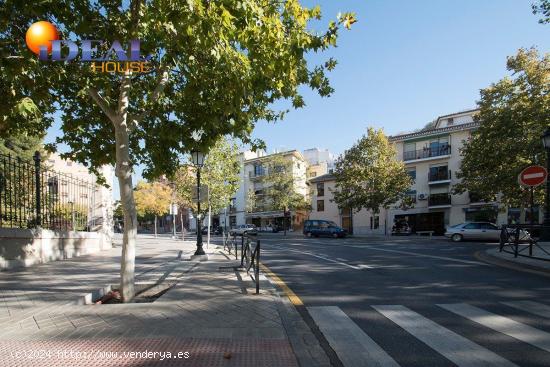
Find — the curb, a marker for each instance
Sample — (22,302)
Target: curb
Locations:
(526,268)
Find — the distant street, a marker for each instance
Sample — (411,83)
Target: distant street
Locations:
(415,302)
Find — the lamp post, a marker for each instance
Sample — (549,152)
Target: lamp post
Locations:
(198,161)
(545,233)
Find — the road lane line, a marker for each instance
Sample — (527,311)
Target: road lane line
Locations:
(356,267)
(534,308)
(294,299)
(352,345)
(456,348)
(504,325)
(416,254)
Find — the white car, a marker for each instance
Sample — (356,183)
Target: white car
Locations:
(481,231)
(244,229)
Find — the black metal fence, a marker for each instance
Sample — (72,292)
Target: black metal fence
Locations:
(32,195)
(250,256)
(521,240)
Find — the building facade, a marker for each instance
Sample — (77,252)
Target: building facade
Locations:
(323,207)
(432,158)
(251,173)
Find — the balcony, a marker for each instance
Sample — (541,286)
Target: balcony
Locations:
(439,177)
(427,153)
(255,175)
(476,199)
(439,200)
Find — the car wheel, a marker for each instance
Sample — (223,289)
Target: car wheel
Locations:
(456,237)
(308,234)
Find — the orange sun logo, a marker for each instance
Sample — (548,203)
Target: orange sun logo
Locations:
(41,34)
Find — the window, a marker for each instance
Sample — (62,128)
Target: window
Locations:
(320,205)
(514,215)
(412,195)
(409,147)
(259,170)
(320,189)
(489,226)
(232,221)
(313,174)
(450,121)
(259,192)
(439,173)
(53,186)
(412,172)
(472,226)
(69,163)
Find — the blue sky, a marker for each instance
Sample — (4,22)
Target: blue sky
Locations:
(403,64)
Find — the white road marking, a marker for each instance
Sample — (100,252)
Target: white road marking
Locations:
(416,254)
(356,267)
(534,308)
(456,348)
(504,325)
(352,345)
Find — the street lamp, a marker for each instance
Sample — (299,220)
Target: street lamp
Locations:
(198,161)
(545,233)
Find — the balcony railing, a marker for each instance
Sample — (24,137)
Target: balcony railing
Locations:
(427,153)
(439,199)
(439,176)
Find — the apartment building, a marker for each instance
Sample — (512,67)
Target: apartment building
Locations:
(323,207)
(432,158)
(252,170)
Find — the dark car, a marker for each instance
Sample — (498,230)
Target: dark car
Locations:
(401,228)
(318,228)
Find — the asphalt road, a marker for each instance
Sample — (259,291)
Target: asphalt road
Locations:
(415,302)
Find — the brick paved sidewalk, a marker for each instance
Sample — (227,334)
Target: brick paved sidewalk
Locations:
(212,314)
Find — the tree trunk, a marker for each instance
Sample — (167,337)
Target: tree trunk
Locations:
(209,221)
(181,220)
(124,175)
(155,226)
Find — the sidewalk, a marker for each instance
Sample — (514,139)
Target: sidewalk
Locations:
(508,259)
(209,318)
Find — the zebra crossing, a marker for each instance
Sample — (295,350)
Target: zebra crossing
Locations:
(356,348)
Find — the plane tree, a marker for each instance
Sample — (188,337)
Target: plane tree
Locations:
(217,68)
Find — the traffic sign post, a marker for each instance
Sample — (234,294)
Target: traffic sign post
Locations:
(532,177)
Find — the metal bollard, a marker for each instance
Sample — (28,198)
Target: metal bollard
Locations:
(257,270)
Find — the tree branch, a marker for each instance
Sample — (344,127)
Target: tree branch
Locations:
(103,104)
(162,79)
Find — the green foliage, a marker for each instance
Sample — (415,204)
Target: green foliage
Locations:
(221,173)
(514,113)
(153,198)
(21,145)
(279,185)
(369,176)
(542,7)
(218,67)
(185,184)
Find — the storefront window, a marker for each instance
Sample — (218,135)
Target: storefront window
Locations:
(514,215)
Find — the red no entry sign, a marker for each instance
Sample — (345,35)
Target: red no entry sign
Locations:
(533,176)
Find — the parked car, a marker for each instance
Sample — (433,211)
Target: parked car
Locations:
(244,229)
(401,228)
(318,228)
(483,231)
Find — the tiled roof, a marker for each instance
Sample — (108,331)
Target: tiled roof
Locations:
(426,133)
